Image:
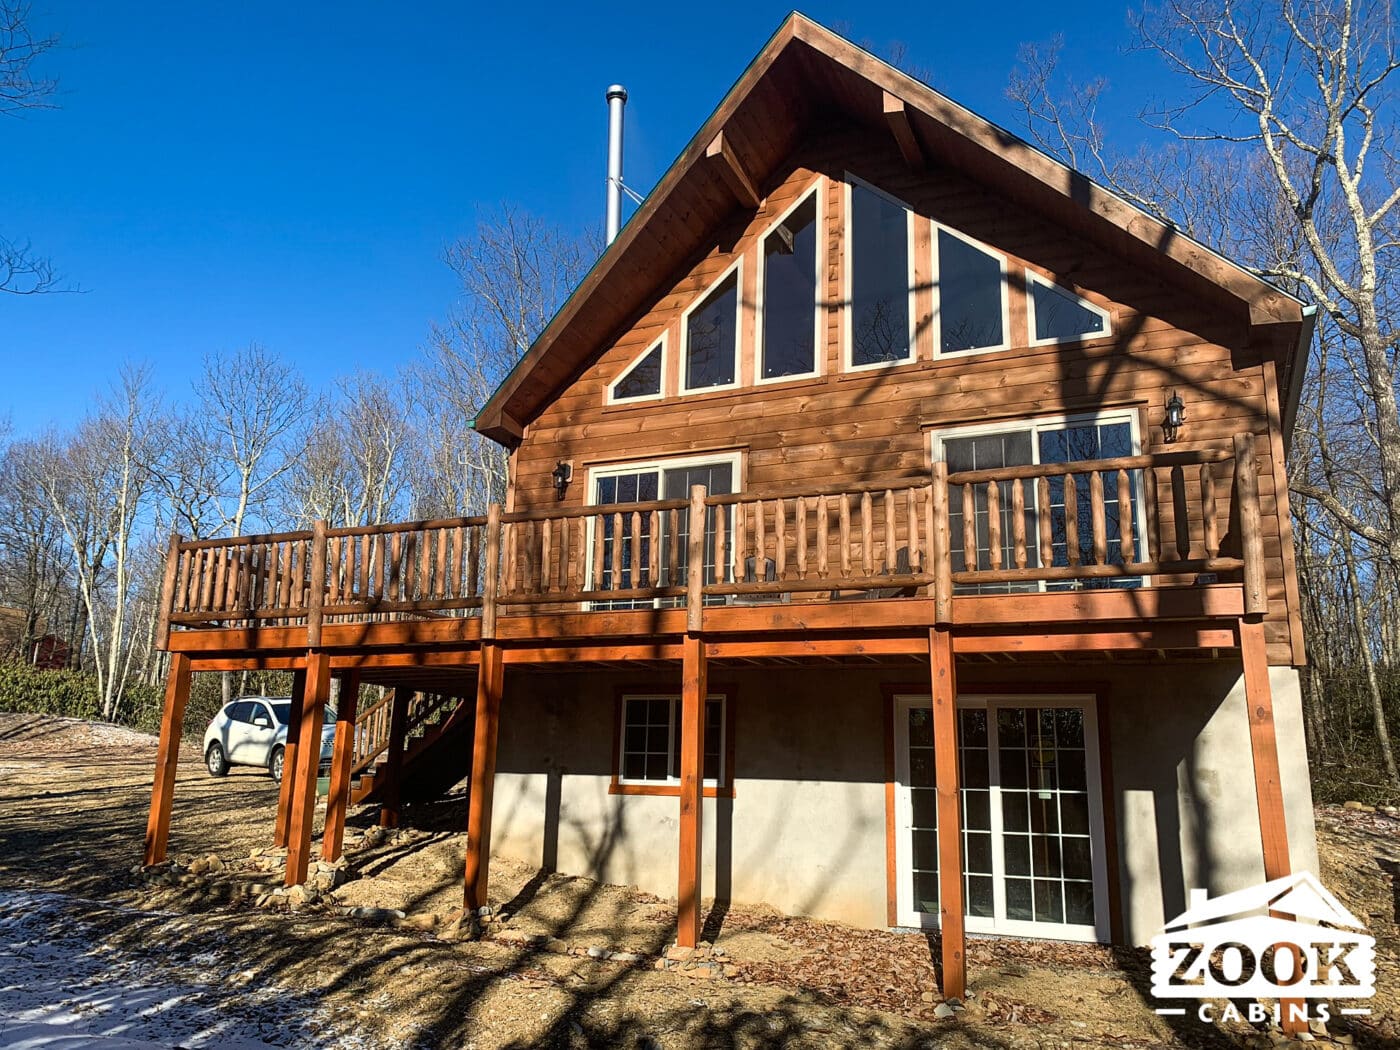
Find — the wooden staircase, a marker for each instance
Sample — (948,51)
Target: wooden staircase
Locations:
(433,757)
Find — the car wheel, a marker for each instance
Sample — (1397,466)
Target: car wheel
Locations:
(215,762)
(274,764)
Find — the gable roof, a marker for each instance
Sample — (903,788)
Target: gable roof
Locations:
(804,73)
(1300,894)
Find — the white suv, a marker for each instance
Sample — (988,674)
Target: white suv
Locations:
(252,731)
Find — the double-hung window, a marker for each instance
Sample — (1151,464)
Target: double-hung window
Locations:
(649,752)
(641,483)
(1043,441)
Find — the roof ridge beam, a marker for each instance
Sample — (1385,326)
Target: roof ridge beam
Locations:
(721,154)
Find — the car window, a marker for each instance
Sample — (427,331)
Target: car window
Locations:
(283,711)
(238,711)
(257,710)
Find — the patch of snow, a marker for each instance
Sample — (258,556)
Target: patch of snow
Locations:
(64,986)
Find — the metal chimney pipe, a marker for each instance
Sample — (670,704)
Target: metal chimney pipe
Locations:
(617,98)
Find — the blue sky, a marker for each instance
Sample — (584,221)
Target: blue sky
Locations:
(288,174)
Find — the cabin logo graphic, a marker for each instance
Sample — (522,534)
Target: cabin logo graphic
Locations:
(1288,938)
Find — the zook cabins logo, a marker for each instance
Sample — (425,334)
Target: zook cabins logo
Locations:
(1288,939)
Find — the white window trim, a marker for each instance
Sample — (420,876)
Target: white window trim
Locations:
(1033,423)
(735,460)
(937,272)
(612,398)
(675,700)
(903,820)
(1034,278)
(848,273)
(736,268)
(818,189)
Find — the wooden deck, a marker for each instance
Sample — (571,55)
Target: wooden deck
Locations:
(754,573)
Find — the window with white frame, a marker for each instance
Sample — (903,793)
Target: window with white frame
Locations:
(650,749)
(880,277)
(970,294)
(642,379)
(1057,315)
(644,482)
(789,308)
(1052,440)
(711,332)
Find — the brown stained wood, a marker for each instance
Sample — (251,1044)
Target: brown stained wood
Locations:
(738,542)
(867,534)
(844,533)
(760,536)
(911,527)
(723,560)
(289,756)
(390,811)
(823,538)
(492,571)
(316,585)
(1181,515)
(366,560)
(381,573)
(994,525)
(177,696)
(673,530)
(891,525)
(637,562)
(950,859)
(1127,548)
(440,585)
(599,549)
(695,562)
(216,595)
(780,537)
(425,563)
(458,564)
(1150,494)
(396,563)
(618,549)
(1098,519)
(721,155)
(1045,521)
(897,118)
(1268,786)
(799,514)
(474,562)
(1072,552)
(308,761)
(167,591)
(969,527)
(940,543)
(1018,523)
(482,783)
(1086,466)
(694,690)
(1256,599)
(342,759)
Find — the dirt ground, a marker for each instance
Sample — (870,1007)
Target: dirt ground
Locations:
(73,803)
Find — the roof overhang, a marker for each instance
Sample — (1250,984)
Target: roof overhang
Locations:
(805,73)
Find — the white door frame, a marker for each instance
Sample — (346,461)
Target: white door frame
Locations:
(903,820)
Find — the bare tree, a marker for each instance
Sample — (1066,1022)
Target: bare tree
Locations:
(515,272)
(22,88)
(96,484)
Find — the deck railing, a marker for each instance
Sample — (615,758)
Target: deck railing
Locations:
(1148,520)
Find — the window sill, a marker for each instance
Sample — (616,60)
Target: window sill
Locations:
(667,790)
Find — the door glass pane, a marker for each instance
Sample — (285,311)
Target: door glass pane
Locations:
(879,278)
(1046,848)
(1010,449)
(790,294)
(718,479)
(1084,441)
(924,805)
(619,573)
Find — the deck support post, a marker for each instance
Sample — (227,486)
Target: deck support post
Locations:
(950,859)
(1268,782)
(391,810)
(289,759)
(303,777)
(172,719)
(490,684)
(338,798)
(694,691)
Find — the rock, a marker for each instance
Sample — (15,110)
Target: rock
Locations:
(598,953)
(425,921)
(943,1011)
(1391,811)
(676,953)
(554,944)
(929,998)
(1358,806)
(626,957)
(376,914)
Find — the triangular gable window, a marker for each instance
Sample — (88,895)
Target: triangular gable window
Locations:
(643,379)
(1059,316)
(971,295)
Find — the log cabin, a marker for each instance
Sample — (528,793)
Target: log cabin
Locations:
(897,532)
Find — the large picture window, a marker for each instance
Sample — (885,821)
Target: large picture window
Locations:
(711,332)
(789,306)
(877,249)
(970,287)
(1060,440)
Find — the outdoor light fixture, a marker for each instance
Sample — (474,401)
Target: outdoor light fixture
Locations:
(1176,418)
(563,474)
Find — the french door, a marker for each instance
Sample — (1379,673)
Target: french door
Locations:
(1031,814)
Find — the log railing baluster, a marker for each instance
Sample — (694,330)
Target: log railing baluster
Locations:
(722,557)
(780,538)
(969,508)
(637,548)
(867,534)
(1208,518)
(845,532)
(994,524)
(891,525)
(474,563)
(673,558)
(760,540)
(1046,522)
(1181,519)
(823,539)
(1018,523)
(911,513)
(1127,548)
(1098,519)
(1153,508)
(599,541)
(440,585)
(799,514)
(1072,553)
(941,544)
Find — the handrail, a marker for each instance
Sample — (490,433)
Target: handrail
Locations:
(895,538)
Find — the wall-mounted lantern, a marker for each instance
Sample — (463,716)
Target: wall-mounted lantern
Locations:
(563,474)
(1175,418)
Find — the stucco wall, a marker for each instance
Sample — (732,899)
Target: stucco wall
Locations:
(805,831)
